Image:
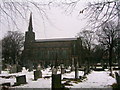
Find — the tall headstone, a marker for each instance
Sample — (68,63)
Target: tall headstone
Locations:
(56,81)
(72,66)
(76,71)
(13,69)
(117,78)
(19,68)
(37,74)
(39,67)
(54,70)
(85,71)
(62,69)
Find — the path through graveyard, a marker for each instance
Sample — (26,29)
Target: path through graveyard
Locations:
(96,79)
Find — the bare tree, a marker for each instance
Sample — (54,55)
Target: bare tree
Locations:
(102,12)
(87,38)
(12,10)
(12,45)
(108,37)
(98,12)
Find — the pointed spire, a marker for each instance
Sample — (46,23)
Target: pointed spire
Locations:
(30,28)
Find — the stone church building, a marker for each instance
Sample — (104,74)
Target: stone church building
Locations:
(48,51)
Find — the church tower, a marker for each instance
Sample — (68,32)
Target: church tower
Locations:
(29,35)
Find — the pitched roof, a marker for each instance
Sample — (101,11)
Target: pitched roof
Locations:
(56,39)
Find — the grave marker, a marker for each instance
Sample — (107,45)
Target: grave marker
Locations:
(13,69)
(54,70)
(37,74)
(117,78)
(76,71)
(19,68)
(21,80)
(56,81)
(39,67)
(72,67)
(62,69)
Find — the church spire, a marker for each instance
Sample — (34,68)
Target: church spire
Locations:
(30,28)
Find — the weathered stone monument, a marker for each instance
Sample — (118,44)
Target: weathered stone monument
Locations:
(85,71)
(13,69)
(19,68)
(117,78)
(72,66)
(62,69)
(21,80)
(39,67)
(37,74)
(56,81)
(76,71)
(54,70)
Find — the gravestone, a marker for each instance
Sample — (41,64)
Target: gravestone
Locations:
(56,81)
(62,69)
(39,67)
(76,71)
(54,70)
(19,68)
(72,67)
(30,66)
(21,79)
(37,74)
(13,69)
(117,78)
(85,71)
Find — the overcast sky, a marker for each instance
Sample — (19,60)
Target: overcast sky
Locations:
(60,24)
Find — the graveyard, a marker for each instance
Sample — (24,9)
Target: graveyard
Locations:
(60,44)
(52,78)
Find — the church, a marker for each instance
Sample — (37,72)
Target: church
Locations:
(48,51)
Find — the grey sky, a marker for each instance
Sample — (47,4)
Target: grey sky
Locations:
(61,25)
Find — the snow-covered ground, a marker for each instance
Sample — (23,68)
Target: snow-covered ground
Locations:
(96,79)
